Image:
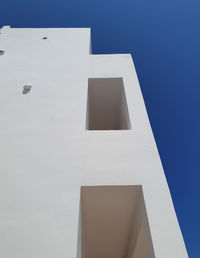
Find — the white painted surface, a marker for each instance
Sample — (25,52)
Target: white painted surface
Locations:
(46,154)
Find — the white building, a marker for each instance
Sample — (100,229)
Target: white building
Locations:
(80,174)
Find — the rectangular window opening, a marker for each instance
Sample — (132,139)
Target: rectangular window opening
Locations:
(107,106)
(114,223)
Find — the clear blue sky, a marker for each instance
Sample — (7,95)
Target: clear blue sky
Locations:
(164,40)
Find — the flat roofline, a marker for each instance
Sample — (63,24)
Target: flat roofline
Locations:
(35,28)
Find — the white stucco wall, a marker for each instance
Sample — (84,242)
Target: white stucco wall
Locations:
(46,154)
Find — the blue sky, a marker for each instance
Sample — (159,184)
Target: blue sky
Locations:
(164,40)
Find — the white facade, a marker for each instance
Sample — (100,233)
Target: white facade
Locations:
(47,152)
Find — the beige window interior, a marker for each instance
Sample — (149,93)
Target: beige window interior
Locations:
(114,223)
(107,106)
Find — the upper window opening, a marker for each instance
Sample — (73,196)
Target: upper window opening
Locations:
(107,107)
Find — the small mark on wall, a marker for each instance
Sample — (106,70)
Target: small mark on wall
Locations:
(1,52)
(44,38)
(26,89)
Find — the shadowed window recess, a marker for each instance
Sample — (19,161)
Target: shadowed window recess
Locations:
(114,223)
(107,106)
